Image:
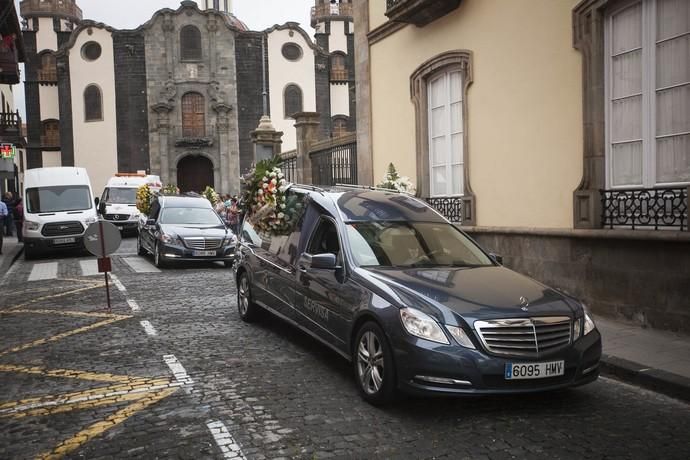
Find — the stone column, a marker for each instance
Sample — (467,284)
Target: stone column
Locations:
(163,110)
(212,26)
(168,31)
(267,141)
(229,170)
(365,166)
(307,126)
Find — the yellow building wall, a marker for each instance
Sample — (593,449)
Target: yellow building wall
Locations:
(524,107)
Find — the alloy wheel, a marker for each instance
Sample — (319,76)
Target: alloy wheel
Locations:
(243,295)
(370,363)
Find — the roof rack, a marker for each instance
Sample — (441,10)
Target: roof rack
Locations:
(369,187)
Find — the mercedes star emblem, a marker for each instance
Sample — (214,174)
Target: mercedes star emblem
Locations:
(524,303)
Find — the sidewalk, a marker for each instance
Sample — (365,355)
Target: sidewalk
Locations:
(650,358)
(10,252)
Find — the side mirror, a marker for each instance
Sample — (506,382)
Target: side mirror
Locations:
(497,258)
(321,261)
(150,222)
(101,208)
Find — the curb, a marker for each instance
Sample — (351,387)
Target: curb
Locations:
(11,258)
(669,384)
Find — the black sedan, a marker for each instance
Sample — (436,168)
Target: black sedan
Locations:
(185,229)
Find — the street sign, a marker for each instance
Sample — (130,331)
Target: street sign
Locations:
(111,239)
(8,151)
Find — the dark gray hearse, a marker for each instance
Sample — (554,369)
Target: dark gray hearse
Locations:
(412,301)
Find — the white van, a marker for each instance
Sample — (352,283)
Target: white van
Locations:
(58,207)
(118,204)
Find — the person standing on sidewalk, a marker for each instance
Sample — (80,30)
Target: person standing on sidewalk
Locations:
(3,216)
(18,216)
(8,199)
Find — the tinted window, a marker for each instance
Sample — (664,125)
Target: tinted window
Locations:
(57,199)
(412,244)
(121,195)
(190,216)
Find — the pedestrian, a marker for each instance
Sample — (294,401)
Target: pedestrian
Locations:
(3,216)
(233,215)
(8,199)
(18,217)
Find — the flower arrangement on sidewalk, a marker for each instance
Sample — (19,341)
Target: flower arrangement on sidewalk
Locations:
(170,189)
(265,199)
(211,195)
(144,197)
(394,181)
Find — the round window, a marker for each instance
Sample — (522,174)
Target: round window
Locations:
(292,52)
(91,51)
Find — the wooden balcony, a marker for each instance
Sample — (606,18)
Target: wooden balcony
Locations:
(326,10)
(37,8)
(47,75)
(11,127)
(419,12)
(339,75)
(9,65)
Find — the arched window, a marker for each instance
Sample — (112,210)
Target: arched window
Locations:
(193,115)
(292,100)
(190,44)
(339,126)
(48,70)
(338,67)
(93,103)
(50,133)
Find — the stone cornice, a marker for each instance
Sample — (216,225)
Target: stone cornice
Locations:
(296,27)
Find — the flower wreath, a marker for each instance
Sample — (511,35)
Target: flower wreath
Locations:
(265,199)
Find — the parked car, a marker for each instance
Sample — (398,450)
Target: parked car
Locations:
(118,204)
(413,302)
(58,208)
(181,228)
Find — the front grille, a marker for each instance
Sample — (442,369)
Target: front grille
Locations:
(203,243)
(526,337)
(117,217)
(62,229)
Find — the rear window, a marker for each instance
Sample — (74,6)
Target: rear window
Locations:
(63,198)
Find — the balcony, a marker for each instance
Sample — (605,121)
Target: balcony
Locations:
(10,127)
(194,138)
(47,76)
(67,8)
(449,207)
(9,65)
(339,75)
(419,12)
(655,208)
(326,10)
(50,141)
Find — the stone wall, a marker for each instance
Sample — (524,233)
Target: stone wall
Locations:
(640,276)
(248,54)
(130,101)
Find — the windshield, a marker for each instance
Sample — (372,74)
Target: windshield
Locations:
(190,216)
(121,195)
(412,244)
(58,199)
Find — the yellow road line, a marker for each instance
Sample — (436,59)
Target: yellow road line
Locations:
(98,428)
(83,314)
(67,373)
(108,401)
(62,336)
(54,296)
(135,385)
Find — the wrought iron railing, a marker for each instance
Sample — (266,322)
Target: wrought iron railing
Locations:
(335,165)
(289,165)
(449,206)
(660,208)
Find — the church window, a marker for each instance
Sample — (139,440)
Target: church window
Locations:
(338,67)
(93,103)
(292,51)
(292,100)
(50,133)
(91,51)
(339,126)
(193,115)
(190,44)
(48,70)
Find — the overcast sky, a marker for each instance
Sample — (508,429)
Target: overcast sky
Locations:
(129,14)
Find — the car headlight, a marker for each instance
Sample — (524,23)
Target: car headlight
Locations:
(460,336)
(589,323)
(578,329)
(165,238)
(31,226)
(422,325)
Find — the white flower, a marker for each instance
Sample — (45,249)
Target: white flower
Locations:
(265,185)
(274,182)
(281,215)
(260,192)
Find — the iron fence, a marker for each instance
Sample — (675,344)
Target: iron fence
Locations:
(335,165)
(448,206)
(660,208)
(289,168)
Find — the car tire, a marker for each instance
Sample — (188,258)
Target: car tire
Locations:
(248,310)
(140,249)
(375,375)
(158,259)
(29,254)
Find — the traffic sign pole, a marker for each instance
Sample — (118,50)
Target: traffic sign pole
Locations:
(105,272)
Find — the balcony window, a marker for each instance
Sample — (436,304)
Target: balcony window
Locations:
(48,70)
(338,67)
(50,133)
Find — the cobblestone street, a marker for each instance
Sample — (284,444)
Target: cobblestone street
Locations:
(172,372)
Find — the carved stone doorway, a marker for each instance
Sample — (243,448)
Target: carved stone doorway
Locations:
(194,173)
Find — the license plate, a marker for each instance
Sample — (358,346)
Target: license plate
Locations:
(64,240)
(516,371)
(204,253)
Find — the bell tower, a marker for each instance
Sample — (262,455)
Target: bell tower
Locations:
(224,6)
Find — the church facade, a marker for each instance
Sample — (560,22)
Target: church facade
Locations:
(180,95)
